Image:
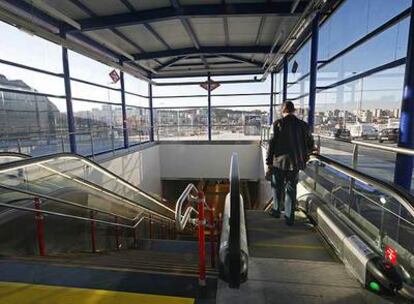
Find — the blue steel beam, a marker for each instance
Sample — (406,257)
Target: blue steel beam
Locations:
(205,50)
(244,60)
(168,63)
(68,97)
(190,11)
(151,109)
(285,78)
(124,113)
(272,80)
(404,163)
(313,70)
(209,105)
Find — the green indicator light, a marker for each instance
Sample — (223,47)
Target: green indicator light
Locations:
(375,286)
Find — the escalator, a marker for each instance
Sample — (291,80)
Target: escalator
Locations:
(68,222)
(352,242)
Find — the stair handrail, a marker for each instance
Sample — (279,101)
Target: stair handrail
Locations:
(190,195)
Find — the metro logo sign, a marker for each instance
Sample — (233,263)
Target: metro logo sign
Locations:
(114,76)
(391,255)
(213,85)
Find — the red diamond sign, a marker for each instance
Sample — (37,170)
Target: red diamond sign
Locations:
(114,76)
(213,85)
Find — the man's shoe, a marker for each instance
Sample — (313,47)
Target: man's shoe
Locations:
(289,221)
(274,213)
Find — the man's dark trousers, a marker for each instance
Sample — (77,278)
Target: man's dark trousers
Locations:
(285,182)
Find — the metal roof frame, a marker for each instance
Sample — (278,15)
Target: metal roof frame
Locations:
(242,58)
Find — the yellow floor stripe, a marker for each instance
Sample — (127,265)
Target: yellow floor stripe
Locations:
(19,293)
(304,247)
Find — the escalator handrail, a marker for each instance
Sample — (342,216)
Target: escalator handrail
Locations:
(15,154)
(31,161)
(234,223)
(400,194)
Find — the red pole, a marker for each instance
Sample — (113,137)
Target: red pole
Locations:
(117,234)
(201,241)
(40,228)
(93,231)
(212,238)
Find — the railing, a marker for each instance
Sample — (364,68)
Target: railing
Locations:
(90,142)
(233,242)
(357,143)
(200,132)
(194,214)
(40,203)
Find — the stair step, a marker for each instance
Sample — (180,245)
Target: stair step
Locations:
(132,259)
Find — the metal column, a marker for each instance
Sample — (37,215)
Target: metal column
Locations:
(285,77)
(404,163)
(68,94)
(151,111)
(124,113)
(272,80)
(209,105)
(313,70)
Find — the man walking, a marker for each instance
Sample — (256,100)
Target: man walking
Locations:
(288,151)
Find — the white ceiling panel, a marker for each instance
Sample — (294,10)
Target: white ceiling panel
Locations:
(243,30)
(140,35)
(173,32)
(113,39)
(209,31)
(105,7)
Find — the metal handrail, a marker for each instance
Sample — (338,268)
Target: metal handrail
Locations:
(400,194)
(190,195)
(87,219)
(399,150)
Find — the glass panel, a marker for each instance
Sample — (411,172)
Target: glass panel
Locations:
(367,109)
(383,48)
(87,69)
(138,124)
(22,79)
(302,60)
(238,123)
(86,91)
(98,127)
(181,123)
(28,49)
(135,85)
(353,20)
(32,124)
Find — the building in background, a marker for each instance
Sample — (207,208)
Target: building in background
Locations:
(28,115)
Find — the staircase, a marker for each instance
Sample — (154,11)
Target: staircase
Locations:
(156,267)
